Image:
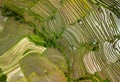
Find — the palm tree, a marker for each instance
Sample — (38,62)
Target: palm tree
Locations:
(59,41)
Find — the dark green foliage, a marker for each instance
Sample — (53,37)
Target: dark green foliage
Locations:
(94,46)
(3,78)
(31,24)
(67,75)
(37,40)
(62,2)
(83,78)
(0,70)
(20,18)
(10,13)
(50,42)
(35,1)
(52,17)
(107,80)
(42,40)
(46,38)
(7,12)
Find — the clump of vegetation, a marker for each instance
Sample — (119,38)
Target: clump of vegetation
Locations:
(7,12)
(3,77)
